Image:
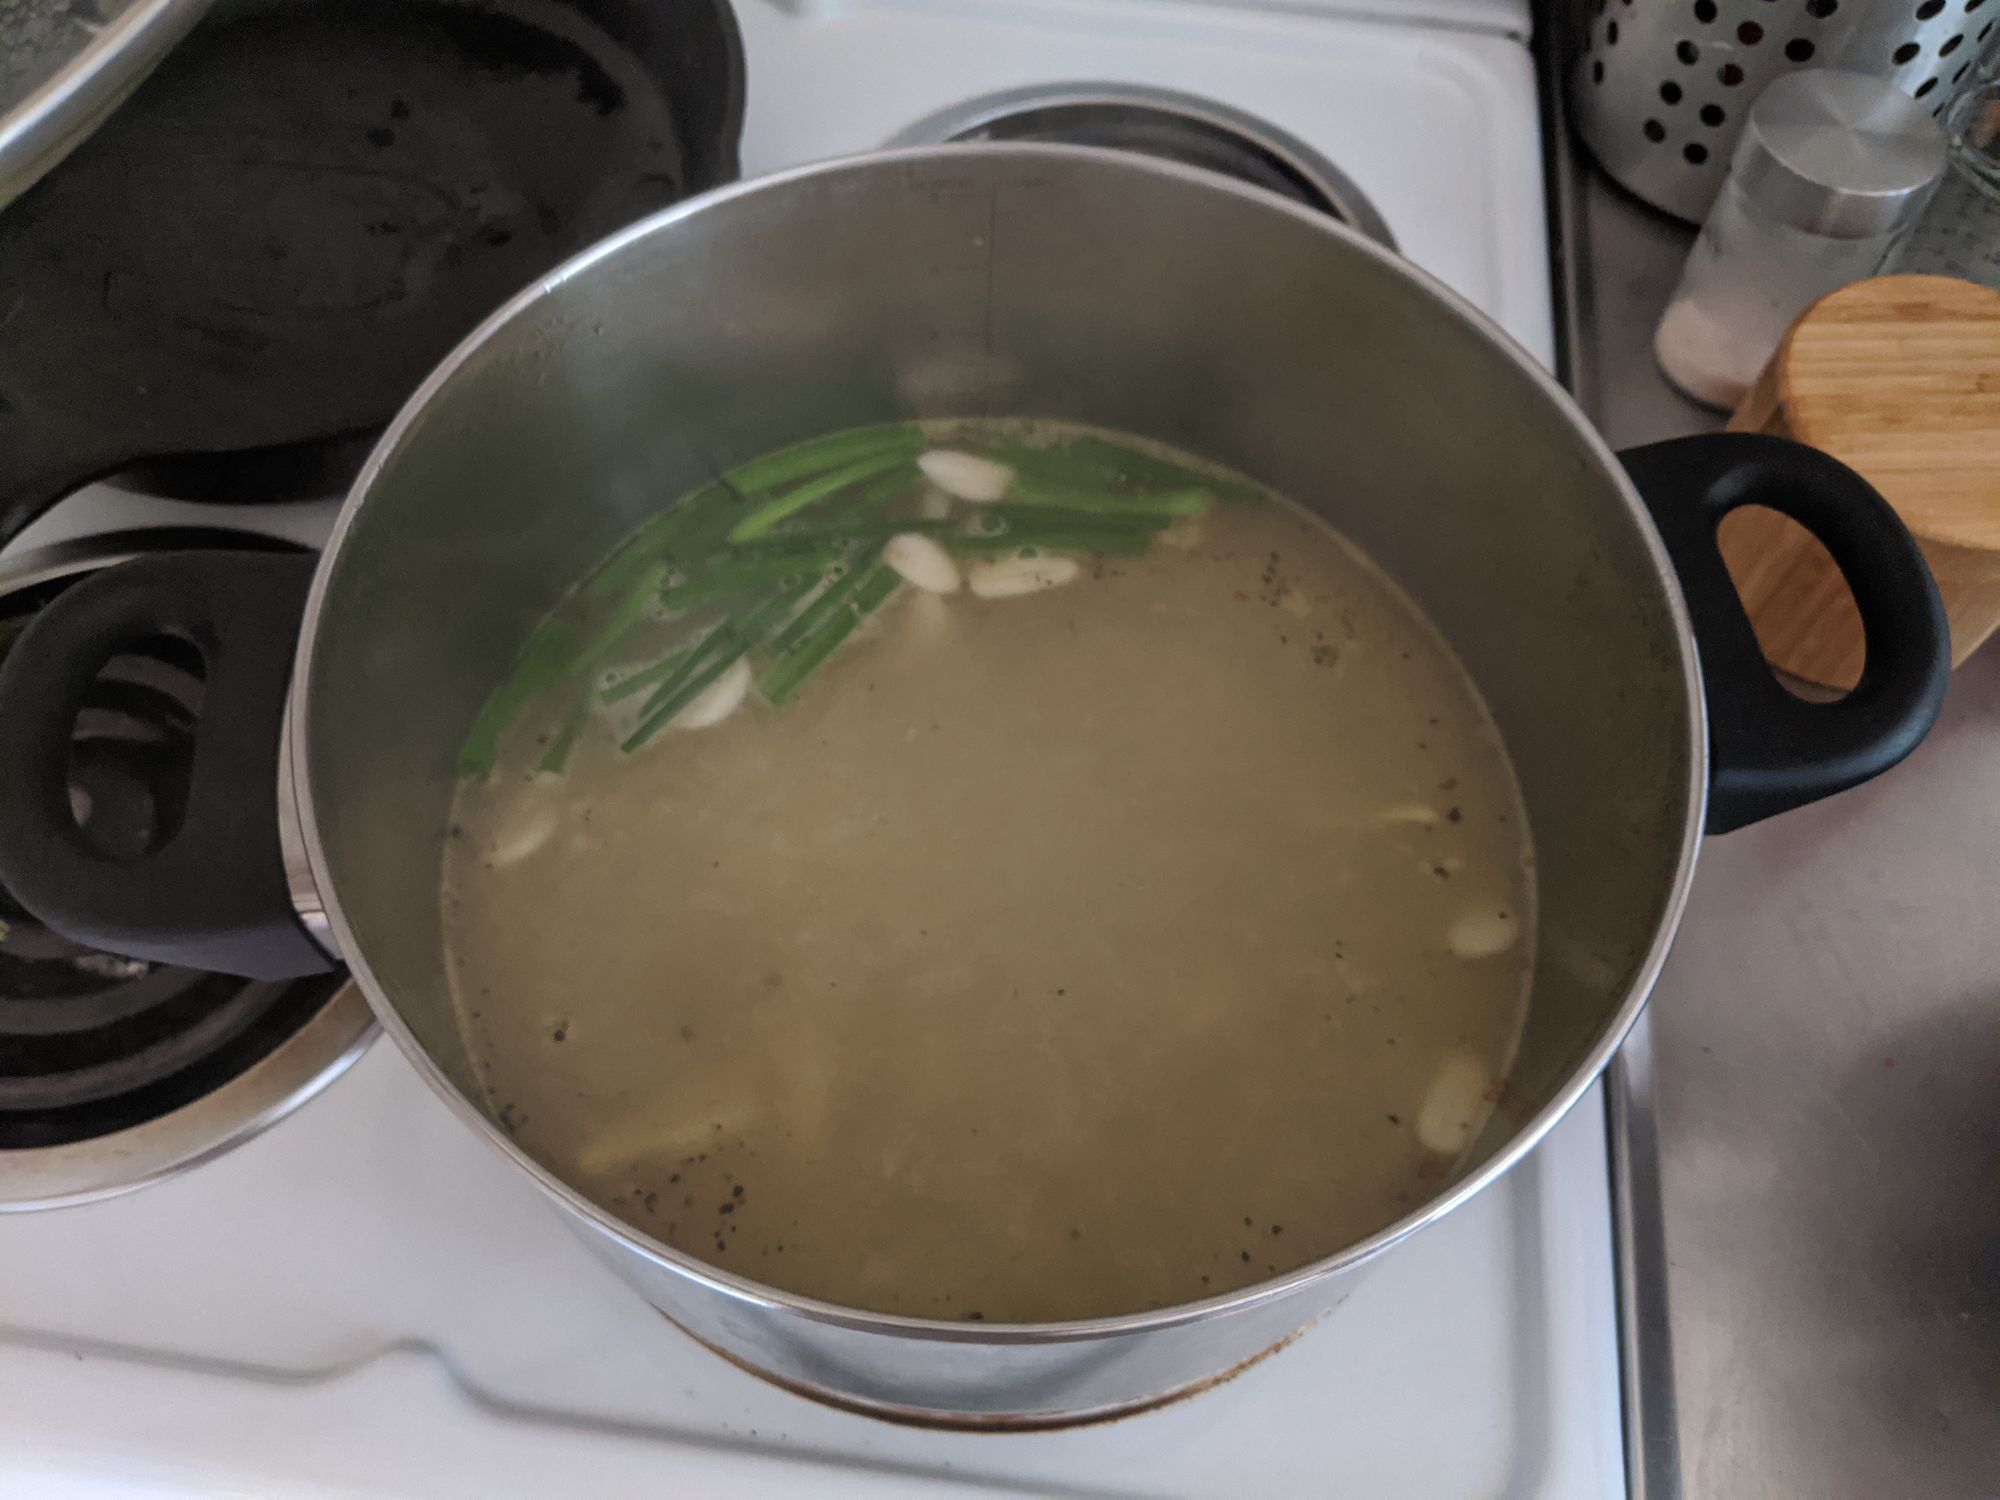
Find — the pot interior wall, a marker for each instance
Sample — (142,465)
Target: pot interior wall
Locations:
(1013,280)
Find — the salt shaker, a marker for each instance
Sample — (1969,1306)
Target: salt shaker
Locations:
(1831,170)
(1958,234)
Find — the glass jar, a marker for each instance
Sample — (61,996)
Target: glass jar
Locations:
(1831,170)
(1958,233)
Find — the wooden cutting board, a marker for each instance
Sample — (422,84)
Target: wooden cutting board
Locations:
(1899,378)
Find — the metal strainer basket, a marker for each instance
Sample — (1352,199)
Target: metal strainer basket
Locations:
(1662,86)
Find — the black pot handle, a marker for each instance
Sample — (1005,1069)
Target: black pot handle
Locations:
(214,895)
(1770,751)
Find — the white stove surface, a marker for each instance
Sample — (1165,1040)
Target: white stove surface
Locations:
(367,1301)
(1438,127)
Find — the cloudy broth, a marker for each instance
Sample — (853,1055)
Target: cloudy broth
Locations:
(1054,950)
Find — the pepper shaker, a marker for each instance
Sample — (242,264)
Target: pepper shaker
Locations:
(1831,170)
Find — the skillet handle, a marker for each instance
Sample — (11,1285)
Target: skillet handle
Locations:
(214,895)
(1770,751)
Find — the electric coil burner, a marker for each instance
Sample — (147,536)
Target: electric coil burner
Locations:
(1174,127)
(114,1071)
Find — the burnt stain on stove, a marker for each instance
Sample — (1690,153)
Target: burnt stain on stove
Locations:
(904,1416)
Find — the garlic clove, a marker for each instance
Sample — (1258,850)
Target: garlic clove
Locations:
(1483,933)
(921,562)
(1009,577)
(966,475)
(718,700)
(1454,1104)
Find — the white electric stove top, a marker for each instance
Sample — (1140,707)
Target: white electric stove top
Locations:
(366,1301)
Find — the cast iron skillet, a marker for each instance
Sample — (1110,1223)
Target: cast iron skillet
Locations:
(253,262)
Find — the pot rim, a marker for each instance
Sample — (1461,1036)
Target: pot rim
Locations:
(744,1290)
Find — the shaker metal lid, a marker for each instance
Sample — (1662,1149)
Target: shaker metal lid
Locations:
(1839,154)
